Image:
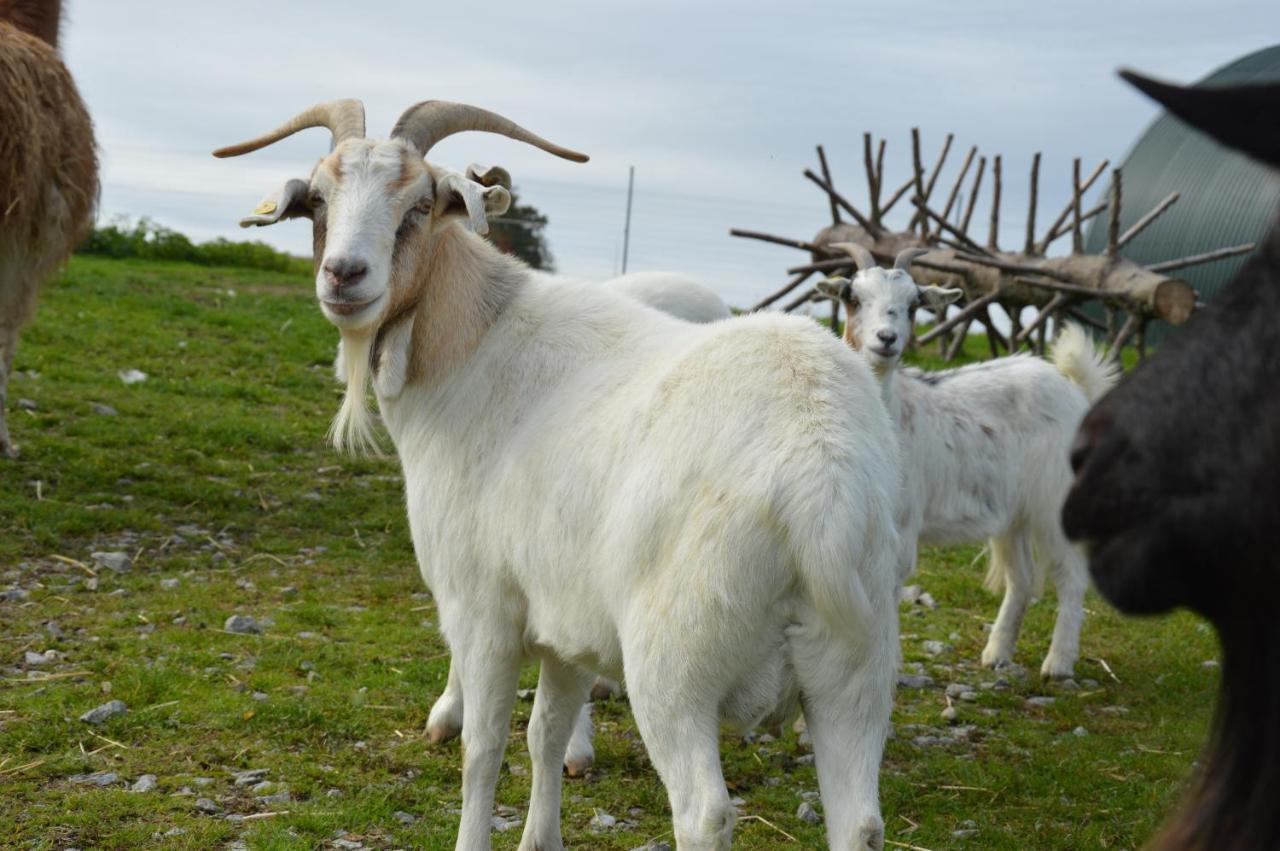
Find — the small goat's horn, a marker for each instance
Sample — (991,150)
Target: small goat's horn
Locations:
(907,256)
(345,118)
(861,256)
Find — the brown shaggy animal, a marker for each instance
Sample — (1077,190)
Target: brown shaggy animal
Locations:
(48,170)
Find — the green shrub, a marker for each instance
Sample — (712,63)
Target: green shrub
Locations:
(147,240)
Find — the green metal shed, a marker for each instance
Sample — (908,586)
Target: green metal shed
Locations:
(1227,199)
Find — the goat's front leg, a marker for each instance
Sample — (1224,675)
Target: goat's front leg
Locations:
(490,672)
(445,720)
(562,692)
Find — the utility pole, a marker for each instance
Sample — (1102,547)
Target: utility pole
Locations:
(626,230)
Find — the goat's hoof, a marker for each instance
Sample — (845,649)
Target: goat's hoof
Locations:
(441,731)
(578,766)
(869,836)
(996,659)
(604,689)
(1053,669)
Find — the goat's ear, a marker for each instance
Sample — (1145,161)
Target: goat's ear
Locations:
(489,175)
(1246,118)
(458,196)
(834,287)
(935,297)
(287,202)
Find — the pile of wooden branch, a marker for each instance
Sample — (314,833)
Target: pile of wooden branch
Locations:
(1056,287)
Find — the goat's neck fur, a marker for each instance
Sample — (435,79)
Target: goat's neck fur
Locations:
(453,286)
(39,18)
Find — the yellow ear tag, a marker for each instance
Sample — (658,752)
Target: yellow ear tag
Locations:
(265,208)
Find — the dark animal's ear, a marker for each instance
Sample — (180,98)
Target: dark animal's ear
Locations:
(287,202)
(1246,118)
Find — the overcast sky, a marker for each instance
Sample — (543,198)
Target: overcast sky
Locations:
(718,105)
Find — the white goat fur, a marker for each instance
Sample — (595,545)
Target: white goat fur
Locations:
(707,508)
(985,453)
(678,295)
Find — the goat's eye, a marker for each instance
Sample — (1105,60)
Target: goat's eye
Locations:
(423,207)
(315,200)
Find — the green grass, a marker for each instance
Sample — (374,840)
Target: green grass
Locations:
(215,473)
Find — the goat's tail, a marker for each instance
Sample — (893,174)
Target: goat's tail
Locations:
(848,561)
(1075,357)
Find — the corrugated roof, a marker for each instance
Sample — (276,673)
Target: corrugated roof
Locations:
(1227,199)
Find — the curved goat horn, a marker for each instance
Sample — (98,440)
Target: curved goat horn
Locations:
(345,118)
(905,258)
(424,124)
(861,256)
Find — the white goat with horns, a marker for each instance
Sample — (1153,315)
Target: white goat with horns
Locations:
(708,508)
(984,448)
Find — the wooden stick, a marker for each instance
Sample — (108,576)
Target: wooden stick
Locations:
(1014,268)
(1130,326)
(832,265)
(955,190)
(923,207)
(1197,259)
(995,340)
(917,174)
(896,196)
(837,198)
(1040,319)
(1141,342)
(879,173)
(795,282)
(1064,228)
(1056,230)
(1080,316)
(1141,224)
(973,194)
(1077,238)
(792,305)
(955,319)
(826,175)
(780,240)
(1113,226)
(873,184)
(1031,212)
(957,343)
(937,167)
(835,316)
(1070,289)
(993,239)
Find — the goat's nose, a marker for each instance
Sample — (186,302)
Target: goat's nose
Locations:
(887,337)
(344,271)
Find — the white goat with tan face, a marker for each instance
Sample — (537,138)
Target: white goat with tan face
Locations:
(707,508)
(985,448)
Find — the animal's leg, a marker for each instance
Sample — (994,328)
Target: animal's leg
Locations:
(581,755)
(1071,576)
(1011,556)
(562,692)
(445,720)
(490,672)
(8,346)
(847,695)
(680,727)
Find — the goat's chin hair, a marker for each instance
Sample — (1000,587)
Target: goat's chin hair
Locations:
(352,431)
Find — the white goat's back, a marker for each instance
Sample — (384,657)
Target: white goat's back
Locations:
(672,293)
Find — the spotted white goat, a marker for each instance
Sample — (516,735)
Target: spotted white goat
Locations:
(708,508)
(985,448)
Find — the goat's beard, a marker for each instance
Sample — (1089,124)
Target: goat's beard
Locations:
(352,431)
